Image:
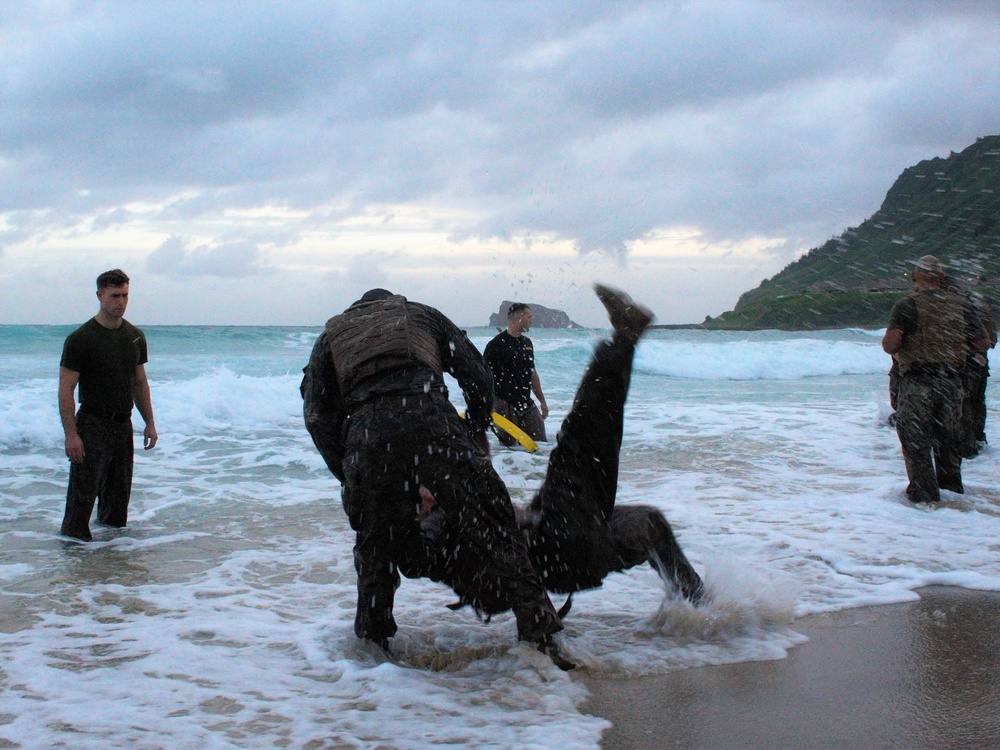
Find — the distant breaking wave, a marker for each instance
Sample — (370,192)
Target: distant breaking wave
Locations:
(761,360)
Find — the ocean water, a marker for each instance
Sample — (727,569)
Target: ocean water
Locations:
(222,616)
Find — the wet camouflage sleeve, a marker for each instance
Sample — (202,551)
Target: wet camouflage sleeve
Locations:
(461,359)
(323,407)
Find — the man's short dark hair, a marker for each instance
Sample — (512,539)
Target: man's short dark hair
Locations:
(115,277)
(515,308)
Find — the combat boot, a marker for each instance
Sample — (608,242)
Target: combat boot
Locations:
(548,647)
(628,318)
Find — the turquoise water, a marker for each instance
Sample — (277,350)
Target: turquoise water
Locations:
(222,616)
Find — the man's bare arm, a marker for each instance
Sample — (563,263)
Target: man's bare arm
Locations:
(892,342)
(68,380)
(144,403)
(536,388)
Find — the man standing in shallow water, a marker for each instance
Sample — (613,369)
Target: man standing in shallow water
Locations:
(511,358)
(106,358)
(930,334)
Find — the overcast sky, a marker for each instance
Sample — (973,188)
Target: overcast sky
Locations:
(267,162)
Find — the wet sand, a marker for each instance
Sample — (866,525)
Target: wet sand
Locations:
(920,676)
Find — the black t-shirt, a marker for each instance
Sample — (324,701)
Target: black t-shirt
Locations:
(511,360)
(106,359)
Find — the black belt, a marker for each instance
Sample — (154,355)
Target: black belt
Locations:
(113,416)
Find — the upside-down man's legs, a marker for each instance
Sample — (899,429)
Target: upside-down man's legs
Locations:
(575,534)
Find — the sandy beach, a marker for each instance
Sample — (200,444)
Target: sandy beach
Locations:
(921,675)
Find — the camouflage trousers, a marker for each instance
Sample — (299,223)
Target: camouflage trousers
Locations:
(928,423)
(528,419)
(575,532)
(974,379)
(394,446)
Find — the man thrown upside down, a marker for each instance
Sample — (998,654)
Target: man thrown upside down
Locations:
(575,533)
(454,525)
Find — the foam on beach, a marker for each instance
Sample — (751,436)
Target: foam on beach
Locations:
(222,616)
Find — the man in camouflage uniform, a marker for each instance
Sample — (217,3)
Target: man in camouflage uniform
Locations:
(575,533)
(377,409)
(931,333)
(974,377)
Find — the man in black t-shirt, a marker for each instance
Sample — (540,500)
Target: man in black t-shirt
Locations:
(106,358)
(511,359)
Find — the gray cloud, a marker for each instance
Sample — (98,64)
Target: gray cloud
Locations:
(595,122)
(175,257)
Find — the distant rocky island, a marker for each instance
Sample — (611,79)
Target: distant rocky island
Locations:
(945,207)
(542,317)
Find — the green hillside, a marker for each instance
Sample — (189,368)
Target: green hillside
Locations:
(945,207)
